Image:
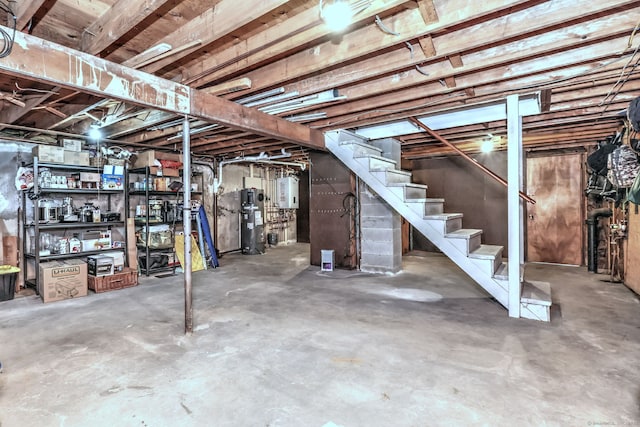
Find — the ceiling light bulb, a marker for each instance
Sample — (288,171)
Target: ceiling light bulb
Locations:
(336,15)
(94,132)
(486,146)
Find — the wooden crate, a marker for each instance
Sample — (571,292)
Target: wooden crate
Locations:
(125,279)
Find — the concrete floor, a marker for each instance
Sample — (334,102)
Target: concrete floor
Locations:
(278,343)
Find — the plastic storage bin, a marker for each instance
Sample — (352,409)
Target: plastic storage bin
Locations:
(8,274)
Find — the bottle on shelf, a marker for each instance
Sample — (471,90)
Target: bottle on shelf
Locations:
(75,246)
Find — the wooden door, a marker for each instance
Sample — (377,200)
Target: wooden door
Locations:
(555,222)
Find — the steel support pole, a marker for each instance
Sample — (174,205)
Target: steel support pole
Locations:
(186,225)
(515,218)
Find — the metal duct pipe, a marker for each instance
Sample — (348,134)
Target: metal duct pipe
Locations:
(592,236)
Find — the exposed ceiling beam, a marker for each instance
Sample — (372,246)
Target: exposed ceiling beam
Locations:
(370,39)
(216,22)
(10,115)
(280,39)
(395,66)
(410,94)
(121,18)
(69,68)
(25,10)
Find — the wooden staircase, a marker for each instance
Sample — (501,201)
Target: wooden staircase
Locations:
(483,263)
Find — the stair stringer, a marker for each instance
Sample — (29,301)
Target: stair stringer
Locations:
(469,266)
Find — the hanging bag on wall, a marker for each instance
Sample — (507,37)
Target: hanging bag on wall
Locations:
(633,113)
(623,166)
(634,191)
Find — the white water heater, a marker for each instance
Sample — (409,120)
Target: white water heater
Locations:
(287,193)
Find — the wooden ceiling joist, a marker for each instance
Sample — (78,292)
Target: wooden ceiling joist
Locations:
(65,67)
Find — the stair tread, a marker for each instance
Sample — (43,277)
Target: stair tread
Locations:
(464,233)
(407,184)
(362,144)
(394,171)
(427,200)
(486,252)
(535,292)
(444,216)
(373,156)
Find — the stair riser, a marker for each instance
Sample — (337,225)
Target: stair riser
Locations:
(490,266)
(388,177)
(433,208)
(375,163)
(409,193)
(446,226)
(466,246)
(535,312)
(423,208)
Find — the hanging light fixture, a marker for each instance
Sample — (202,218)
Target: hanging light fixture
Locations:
(486,146)
(94,132)
(336,14)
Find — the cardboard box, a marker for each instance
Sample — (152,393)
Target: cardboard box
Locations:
(161,184)
(113,170)
(60,280)
(164,171)
(72,144)
(89,177)
(76,158)
(149,157)
(118,260)
(95,240)
(48,153)
(112,182)
(100,265)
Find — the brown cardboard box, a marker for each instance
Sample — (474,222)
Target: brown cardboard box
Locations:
(48,153)
(89,177)
(80,158)
(164,171)
(148,158)
(161,184)
(61,280)
(72,144)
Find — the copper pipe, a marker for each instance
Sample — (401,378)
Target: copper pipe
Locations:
(466,156)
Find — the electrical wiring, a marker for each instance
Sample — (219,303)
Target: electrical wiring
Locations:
(620,82)
(7,39)
(384,28)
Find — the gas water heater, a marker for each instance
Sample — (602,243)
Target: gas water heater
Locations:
(252,240)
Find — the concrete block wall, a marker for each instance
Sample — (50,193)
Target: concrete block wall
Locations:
(380,235)
(380,225)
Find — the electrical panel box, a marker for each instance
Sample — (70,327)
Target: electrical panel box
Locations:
(287,193)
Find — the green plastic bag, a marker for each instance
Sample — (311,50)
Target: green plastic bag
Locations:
(634,191)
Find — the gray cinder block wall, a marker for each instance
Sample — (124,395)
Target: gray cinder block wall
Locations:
(380,224)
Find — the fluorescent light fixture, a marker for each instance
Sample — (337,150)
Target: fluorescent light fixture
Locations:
(482,113)
(271,99)
(196,131)
(307,117)
(304,101)
(337,15)
(152,52)
(247,99)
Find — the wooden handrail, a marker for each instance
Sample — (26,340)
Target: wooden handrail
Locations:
(467,157)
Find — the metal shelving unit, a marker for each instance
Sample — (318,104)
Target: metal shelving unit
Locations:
(33,226)
(148,194)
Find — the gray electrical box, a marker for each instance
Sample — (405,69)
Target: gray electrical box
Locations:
(287,193)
